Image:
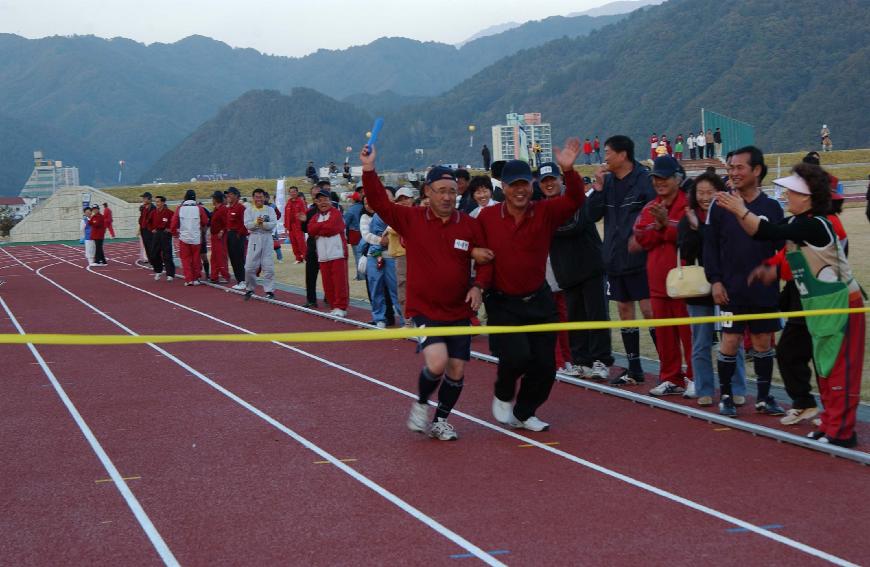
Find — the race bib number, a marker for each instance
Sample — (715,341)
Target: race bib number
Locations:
(461,245)
(727,324)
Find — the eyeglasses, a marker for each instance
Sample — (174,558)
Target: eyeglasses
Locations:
(443,192)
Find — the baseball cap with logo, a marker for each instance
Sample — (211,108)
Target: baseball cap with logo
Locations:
(516,170)
(549,169)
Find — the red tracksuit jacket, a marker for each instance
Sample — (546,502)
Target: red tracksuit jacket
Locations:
(661,245)
(293,208)
(334,225)
(98,227)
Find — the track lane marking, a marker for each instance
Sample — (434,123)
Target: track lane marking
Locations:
(144,521)
(359,477)
(809,550)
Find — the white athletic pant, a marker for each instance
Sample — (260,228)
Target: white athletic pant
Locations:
(90,250)
(260,257)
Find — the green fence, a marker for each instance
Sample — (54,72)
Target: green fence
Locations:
(735,134)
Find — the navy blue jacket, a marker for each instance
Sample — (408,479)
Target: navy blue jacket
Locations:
(730,254)
(619,212)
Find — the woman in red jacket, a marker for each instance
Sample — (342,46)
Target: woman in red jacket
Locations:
(294,216)
(98,233)
(655,231)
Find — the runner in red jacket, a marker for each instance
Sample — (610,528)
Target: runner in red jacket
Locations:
(292,211)
(219,269)
(107,214)
(655,230)
(98,233)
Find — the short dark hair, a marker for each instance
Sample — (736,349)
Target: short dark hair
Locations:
(293,187)
(86,209)
(620,143)
(819,182)
(479,181)
(105,204)
(813,158)
(462,174)
(161,197)
(710,178)
(258,190)
(756,158)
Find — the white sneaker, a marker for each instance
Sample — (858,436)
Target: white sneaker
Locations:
(599,371)
(197,282)
(381,325)
(666,388)
(795,416)
(239,286)
(690,390)
(532,424)
(570,369)
(418,420)
(503,412)
(157,277)
(169,278)
(442,431)
(338,312)
(94,265)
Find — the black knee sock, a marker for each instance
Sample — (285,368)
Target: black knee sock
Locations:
(763,364)
(448,395)
(725,365)
(652,335)
(631,341)
(428,383)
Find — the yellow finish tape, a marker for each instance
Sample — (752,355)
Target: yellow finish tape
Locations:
(404,333)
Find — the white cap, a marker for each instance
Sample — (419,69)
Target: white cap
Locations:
(405,192)
(794,183)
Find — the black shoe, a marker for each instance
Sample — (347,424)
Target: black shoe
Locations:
(270,295)
(815,435)
(847,443)
(310,304)
(248,295)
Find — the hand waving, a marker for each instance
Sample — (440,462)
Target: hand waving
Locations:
(566,156)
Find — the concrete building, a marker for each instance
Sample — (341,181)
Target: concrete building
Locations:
(523,136)
(58,217)
(47,177)
(19,206)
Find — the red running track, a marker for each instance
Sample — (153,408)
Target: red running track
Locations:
(222,485)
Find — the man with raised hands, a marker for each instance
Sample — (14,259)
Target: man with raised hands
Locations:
(440,243)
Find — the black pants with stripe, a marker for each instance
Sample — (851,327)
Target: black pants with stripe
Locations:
(236,245)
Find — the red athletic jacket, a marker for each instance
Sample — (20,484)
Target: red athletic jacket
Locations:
(661,245)
(293,208)
(587,147)
(107,215)
(98,226)
(219,219)
(236,219)
(160,219)
(145,215)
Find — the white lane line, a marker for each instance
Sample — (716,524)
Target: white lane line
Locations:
(143,519)
(558,452)
(113,259)
(3,248)
(362,479)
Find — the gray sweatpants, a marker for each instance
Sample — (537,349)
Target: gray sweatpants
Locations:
(260,257)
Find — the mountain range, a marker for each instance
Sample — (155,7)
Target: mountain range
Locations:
(757,62)
(120,99)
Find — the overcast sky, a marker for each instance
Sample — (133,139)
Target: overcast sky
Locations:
(288,27)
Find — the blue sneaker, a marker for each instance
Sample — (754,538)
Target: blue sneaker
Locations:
(726,407)
(768,406)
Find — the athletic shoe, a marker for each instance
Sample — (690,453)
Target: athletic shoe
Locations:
(847,443)
(795,416)
(239,286)
(726,407)
(705,401)
(769,407)
(298,262)
(188,284)
(418,420)
(310,304)
(532,424)
(739,401)
(222,281)
(503,412)
(280,261)
(248,295)
(690,390)
(816,435)
(270,295)
(381,325)
(338,312)
(196,282)
(157,277)
(817,422)
(666,388)
(626,379)
(571,370)
(169,278)
(442,430)
(94,265)
(599,371)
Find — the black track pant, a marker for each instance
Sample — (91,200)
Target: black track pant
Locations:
(312,268)
(148,244)
(588,302)
(794,353)
(161,254)
(236,245)
(99,256)
(527,356)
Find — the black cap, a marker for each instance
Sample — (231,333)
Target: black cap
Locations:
(146,194)
(324,183)
(232,190)
(666,166)
(218,195)
(549,169)
(190,195)
(323,193)
(440,172)
(516,170)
